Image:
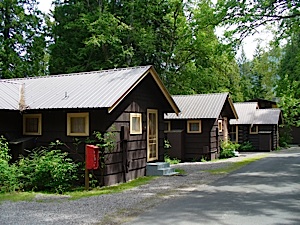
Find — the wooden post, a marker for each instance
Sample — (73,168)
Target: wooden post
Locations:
(87,179)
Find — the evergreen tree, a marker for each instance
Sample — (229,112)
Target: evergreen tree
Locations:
(22,39)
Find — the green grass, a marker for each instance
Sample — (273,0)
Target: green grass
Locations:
(80,193)
(110,189)
(17,196)
(236,165)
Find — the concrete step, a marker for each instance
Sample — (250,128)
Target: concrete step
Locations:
(160,169)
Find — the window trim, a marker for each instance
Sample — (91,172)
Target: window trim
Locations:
(220,125)
(256,129)
(169,126)
(36,115)
(191,122)
(72,115)
(136,115)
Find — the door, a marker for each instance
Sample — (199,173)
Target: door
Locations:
(152,135)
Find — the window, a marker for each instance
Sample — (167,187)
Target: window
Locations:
(234,133)
(254,129)
(167,126)
(78,124)
(32,124)
(194,126)
(136,123)
(220,125)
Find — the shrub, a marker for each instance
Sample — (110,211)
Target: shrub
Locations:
(8,177)
(246,146)
(171,160)
(46,169)
(228,149)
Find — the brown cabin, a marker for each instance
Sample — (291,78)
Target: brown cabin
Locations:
(197,131)
(130,102)
(258,126)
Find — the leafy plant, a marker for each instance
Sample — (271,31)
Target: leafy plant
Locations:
(8,173)
(167,159)
(167,144)
(46,169)
(228,149)
(246,146)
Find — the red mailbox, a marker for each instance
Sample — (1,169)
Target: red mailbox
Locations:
(91,157)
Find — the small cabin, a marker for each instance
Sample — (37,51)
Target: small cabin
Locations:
(196,133)
(129,102)
(258,126)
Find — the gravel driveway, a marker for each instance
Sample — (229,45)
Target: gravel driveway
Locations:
(112,208)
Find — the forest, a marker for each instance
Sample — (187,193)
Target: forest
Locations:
(178,37)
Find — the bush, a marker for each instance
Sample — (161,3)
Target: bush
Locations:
(246,146)
(8,177)
(171,160)
(45,169)
(228,149)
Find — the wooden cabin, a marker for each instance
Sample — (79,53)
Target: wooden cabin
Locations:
(130,102)
(196,133)
(258,126)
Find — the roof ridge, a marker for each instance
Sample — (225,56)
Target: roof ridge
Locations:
(221,93)
(80,73)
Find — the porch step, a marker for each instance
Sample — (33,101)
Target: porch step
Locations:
(160,169)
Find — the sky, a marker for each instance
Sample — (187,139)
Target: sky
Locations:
(249,43)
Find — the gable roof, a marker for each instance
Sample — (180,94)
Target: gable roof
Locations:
(98,89)
(245,111)
(250,114)
(200,106)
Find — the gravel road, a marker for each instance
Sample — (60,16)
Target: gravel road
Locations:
(112,208)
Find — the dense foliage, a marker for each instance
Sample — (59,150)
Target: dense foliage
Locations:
(228,149)
(22,39)
(43,169)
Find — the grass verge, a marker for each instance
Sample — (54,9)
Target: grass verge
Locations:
(110,189)
(17,196)
(236,165)
(79,193)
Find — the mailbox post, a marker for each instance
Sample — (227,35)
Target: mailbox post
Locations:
(91,161)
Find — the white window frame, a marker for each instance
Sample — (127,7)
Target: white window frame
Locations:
(32,116)
(168,125)
(191,122)
(256,129)
(220,126)
(139,116)
(85,115)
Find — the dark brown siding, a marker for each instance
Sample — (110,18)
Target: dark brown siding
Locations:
(244,136)
(199,145)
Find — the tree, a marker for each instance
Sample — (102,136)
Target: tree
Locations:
(22,39)
(248,15)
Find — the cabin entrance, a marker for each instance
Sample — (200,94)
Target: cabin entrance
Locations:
(152,135)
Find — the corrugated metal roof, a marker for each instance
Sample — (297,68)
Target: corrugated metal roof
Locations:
(9,95)
(245,111)
(267,116)
(199,106)
(98,89)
